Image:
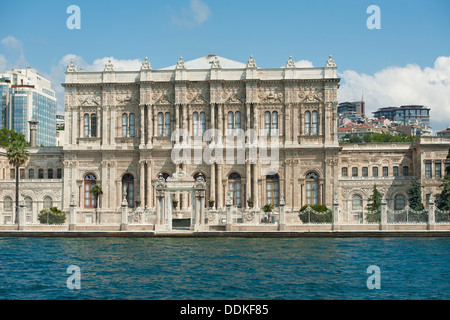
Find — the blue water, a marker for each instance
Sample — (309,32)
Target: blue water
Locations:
(225,268)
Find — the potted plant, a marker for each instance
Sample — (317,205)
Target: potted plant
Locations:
(174,202)
(268,208)
(250,202)
(211,202)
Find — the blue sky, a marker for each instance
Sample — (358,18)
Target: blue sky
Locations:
(412,38)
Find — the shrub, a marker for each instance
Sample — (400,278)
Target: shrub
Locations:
(51,216)
(307,217)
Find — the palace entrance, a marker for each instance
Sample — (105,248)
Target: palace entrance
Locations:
(179,183)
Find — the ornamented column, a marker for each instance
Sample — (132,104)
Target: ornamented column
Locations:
(213,120)
(229,217)
(124,214)
(219,186)
(149,125)
(72,213)
(248,181)
(142,182)
(148,193)
(282,222)
(383,225)
(335,225)
(142,122)
(22,214)
(212,185)
(431,213)
(160,190)
(200,188)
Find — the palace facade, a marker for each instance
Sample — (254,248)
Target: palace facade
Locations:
(119,134)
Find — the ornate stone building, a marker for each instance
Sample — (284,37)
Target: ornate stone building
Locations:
(119,134)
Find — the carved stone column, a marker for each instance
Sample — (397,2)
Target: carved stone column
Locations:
(149,125)
(72,213)
(142,123)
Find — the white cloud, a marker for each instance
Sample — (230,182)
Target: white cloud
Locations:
(14,56)
(303,64)
(395,86)
(197,13)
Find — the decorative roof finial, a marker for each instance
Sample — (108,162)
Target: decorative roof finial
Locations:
(290,63)
(109,66)
(251,63)
(71,67)
(180,64)
(330,62)
(146,65)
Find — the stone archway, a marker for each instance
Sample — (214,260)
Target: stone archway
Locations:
(179,182)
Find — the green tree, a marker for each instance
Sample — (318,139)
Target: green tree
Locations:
(17,156)
(97,191)
(374,200)
(8,136)
(415,196)
(51,216)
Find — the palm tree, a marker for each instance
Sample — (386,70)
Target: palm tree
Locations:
(17,155)
(96,191)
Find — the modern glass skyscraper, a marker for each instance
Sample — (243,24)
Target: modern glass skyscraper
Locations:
(25,95)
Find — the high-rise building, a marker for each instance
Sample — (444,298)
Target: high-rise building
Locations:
(352,110)
(406,115)
(26,95)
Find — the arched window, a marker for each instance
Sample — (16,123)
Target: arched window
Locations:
(7,204)
(165,175)
(86,126)
(237,120)
(89,199)
(50,173)
(195,123)
(167,124)
(128,187)
(307,122)
(93,125)
(267,122)
(160,124)
(273,189)
(234,187)
(275,122)
(132,125)
(47,202)
(315,123)
(29,204)
(312,188)
(399,202)
(124,125)
(230,123)
(356,202)
(203,122)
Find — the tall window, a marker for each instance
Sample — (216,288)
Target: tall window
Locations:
(29,204)
(399,202)
(237,120)
(31,174)
(167,124)
(160,124)
(374,171)
(41,174)
(428,169)
(124,125)
(356,202)
(315,123)
(132,125)
(395,171)
(385,171)
(230,123)
(234,187)
(307,122)
(90,125)
(344,172)
(234,122)
(86,126)
(89,199)
(195,123)
(50,173)
(438,170)
(7,204)
(312,188)
(365,172)
(47,202)
(354,172)
(22,174)
(202,123)
(405,171)
(273,189)
(93,125)
(59,173)
(128,187)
